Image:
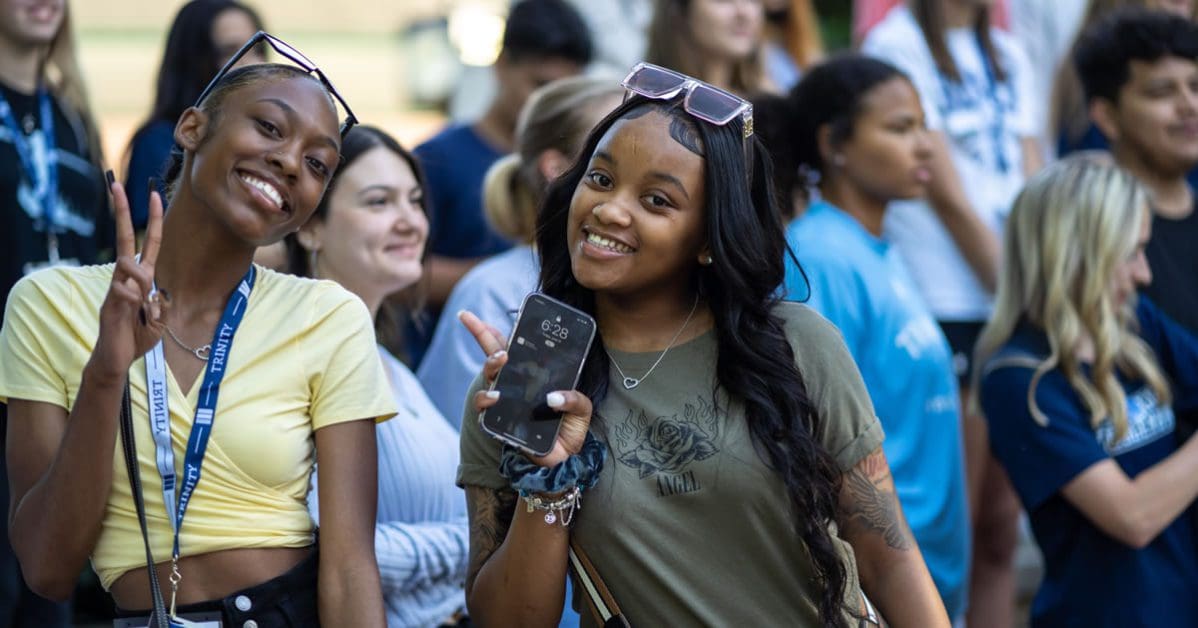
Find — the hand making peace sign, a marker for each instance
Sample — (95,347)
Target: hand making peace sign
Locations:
(132,315)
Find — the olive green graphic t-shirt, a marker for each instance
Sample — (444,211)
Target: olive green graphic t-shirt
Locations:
(688,525)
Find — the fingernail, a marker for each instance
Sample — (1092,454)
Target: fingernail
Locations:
(498,354)
(110,177)
(153,185)
(461,313)
(492,394)
(555,399)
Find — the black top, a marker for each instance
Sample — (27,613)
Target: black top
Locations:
(82,195)
(1173,256)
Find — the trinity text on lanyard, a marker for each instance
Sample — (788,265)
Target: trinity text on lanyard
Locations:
(43,174)
(201,428)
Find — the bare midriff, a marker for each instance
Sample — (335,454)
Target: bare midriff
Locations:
(208,576)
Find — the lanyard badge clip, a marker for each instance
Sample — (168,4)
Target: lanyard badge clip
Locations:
(176,578)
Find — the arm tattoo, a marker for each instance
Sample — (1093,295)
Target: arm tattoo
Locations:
(491,513)
(868,502)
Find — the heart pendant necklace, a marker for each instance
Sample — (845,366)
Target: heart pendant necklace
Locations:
(633,382)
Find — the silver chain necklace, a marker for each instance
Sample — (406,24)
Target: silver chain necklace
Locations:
(633,382)
(200,352)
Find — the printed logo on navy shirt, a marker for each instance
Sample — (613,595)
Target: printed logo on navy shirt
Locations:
(1147,421)
(66,214)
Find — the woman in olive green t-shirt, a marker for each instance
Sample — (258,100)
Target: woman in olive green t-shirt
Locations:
(745,483)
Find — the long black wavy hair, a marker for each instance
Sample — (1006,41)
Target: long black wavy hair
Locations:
(756,363)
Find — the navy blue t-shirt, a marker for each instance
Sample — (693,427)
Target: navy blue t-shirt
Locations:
(82,210)
(1092,579)
(148,157)
(455,161)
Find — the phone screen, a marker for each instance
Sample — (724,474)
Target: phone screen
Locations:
(545,353)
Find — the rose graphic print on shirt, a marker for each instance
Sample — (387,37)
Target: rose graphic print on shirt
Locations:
(665,447)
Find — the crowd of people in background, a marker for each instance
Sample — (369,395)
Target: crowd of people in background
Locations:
(887,313)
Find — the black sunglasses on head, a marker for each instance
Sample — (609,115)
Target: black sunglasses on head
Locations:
(284,49)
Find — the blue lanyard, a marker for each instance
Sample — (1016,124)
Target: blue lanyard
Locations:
(999,129)
(43,180)
(201,427)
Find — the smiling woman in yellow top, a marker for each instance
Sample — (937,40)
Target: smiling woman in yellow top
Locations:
(301,379)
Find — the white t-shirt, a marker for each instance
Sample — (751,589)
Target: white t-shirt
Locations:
(984,121)
(1045,31)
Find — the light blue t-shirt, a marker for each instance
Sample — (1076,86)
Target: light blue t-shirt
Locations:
(859,283)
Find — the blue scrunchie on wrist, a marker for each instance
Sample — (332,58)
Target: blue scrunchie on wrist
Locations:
(581,470)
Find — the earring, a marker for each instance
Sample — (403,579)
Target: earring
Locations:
(312,255)
(706,260)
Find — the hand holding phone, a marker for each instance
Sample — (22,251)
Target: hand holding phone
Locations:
(531,403)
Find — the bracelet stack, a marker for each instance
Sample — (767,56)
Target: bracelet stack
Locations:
(562,508)
(556,490)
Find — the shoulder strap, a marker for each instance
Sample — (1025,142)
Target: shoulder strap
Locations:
(603,605)
(158,618)
(1013,358)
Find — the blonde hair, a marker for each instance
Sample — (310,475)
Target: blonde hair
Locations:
(1070,226)
(672,45)
(62,73)
(557,116)
(1069,109)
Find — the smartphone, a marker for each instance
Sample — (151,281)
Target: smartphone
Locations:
(546,352)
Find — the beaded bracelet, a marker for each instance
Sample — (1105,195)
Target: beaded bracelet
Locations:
(578,471)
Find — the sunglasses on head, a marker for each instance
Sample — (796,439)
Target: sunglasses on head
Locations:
(285,50)
(703,101)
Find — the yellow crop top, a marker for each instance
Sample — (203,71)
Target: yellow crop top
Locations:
(305,357)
